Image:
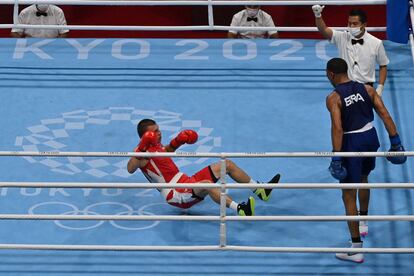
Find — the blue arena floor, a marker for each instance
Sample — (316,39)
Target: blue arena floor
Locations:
(241,96)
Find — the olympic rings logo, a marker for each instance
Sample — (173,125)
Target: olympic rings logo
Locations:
(64,208)
(54,134)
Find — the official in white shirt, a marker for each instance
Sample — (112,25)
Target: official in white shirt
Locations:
(41,14)
(252,16)
(361,50)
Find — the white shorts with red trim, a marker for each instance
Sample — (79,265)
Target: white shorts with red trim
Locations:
(182,197)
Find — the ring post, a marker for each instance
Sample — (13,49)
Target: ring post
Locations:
(210,15)
(223,230)
(412,28)
(16,12)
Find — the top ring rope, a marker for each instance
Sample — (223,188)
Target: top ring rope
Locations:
(175,28)
(194,3)
(208,3)
(206,154)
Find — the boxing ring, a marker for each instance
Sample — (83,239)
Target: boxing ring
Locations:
(69,206)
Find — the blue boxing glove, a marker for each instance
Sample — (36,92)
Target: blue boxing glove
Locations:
(336,169)
(396,146)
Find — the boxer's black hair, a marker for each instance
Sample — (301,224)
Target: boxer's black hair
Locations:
(142,126)
(337,66)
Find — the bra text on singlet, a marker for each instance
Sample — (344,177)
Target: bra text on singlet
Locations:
(353,99)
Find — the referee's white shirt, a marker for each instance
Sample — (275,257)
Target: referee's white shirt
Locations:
(263,20)
(361,59)
(55,16)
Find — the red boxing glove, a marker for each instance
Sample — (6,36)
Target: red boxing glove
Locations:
(149,138)
(187,136)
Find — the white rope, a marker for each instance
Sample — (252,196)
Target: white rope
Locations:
(204,248)
(205,154)
(299,3)
(106,28)
(195,2)
(108,217)
(290,29)
(322,186)
(113,185)
(220,218)
(109,247)
(125,185)
(319,249)
(322,218)
(174,28)
(209,3)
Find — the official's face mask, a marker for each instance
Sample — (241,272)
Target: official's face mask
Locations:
(355,31)
(252,12)
(42,7)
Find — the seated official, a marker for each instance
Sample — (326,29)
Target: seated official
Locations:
(41,14)
(252,16)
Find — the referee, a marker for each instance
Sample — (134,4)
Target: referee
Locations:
(361,50)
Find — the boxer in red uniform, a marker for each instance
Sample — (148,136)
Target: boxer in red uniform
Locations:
(164,170)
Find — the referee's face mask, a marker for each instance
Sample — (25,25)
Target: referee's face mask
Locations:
(355,26)
(252,10)
(42,7)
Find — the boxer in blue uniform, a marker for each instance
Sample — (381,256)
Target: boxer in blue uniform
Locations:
(351,107)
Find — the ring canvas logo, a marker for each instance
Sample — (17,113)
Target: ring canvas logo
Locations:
(100,208)
(78,128)
(106,129)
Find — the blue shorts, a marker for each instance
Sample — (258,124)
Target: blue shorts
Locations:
(359,166)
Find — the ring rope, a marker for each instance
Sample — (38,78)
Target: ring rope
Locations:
(318,249)
(208,3)
(206,154)
(204,248)
(174,28)
(222,218)
(126,185)
(205,218)
(194,3)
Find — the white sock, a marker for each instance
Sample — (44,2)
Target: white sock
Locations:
(233,205)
